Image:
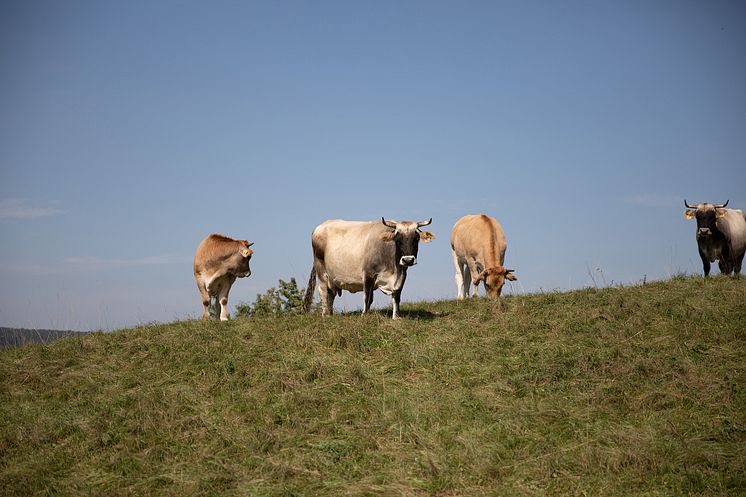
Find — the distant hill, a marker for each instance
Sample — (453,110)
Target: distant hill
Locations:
(15,337)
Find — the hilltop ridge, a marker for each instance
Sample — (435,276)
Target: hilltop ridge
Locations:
(615,391)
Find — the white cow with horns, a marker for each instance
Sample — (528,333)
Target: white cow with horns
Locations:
(721,236)
(363,255)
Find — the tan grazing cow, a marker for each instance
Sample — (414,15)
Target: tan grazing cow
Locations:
(478,250)
(219,260)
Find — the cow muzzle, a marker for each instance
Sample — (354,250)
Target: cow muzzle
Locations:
(408,260)
(704,232)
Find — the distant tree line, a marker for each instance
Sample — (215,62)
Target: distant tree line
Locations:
(16,337)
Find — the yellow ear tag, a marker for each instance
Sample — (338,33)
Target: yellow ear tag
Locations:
(722,213)
(427,236)
(689,214)
(245,252)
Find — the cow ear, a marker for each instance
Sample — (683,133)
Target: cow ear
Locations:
(689,214)
(481,276)
(721,212)
(245,252)
(427,236)
(511,277)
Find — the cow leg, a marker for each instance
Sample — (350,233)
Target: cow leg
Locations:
(467,280)
(474,270)
(395,299)
(726,262)
(737,263)
(725,266)
(330,295)
(460,289)
(326,295)
(223,298)
(205,299)
(368,293)
(705,263)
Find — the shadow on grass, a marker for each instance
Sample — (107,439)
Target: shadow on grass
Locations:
(420,314)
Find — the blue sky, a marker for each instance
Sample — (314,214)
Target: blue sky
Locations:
(131,130)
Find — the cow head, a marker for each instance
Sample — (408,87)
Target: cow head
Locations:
(707,215)
(243,258)
(407,236)
(494,279)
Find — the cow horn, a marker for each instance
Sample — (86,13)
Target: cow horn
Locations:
(723,205)
(420,224)
(389,224)
(689,206)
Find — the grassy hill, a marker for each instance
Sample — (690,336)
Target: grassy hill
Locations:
(608,392)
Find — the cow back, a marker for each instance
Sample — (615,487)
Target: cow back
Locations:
(345,247)
(481,237)
(733,227)
(216,252)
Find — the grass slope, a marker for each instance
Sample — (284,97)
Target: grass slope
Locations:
(633,391)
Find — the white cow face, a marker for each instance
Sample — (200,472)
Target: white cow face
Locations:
(407,236)
(707,216)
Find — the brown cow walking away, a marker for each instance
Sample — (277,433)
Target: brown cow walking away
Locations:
(219,260)
(478,250)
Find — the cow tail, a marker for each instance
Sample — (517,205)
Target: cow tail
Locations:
(308,298)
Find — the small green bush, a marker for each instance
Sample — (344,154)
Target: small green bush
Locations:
(285,300)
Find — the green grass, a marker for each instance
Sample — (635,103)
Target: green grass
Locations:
(608,392)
